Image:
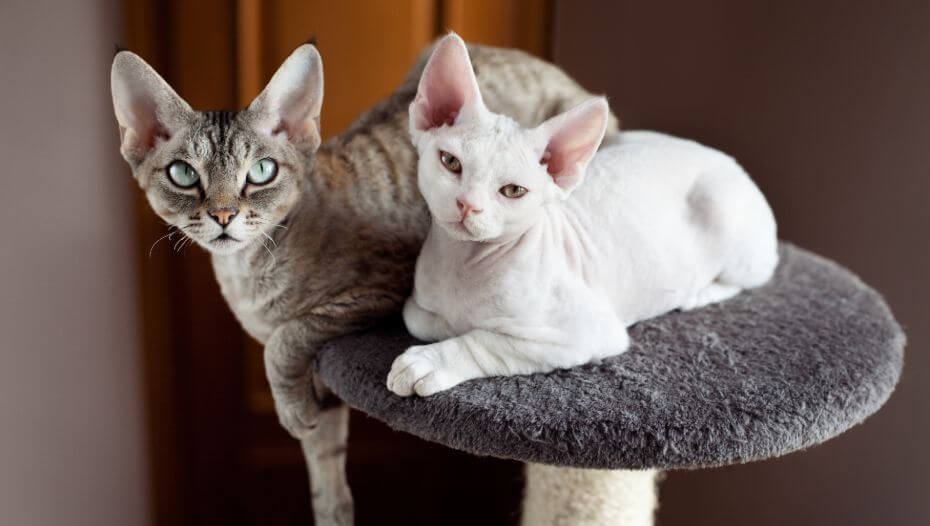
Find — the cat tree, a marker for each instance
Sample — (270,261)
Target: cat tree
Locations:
(771,371)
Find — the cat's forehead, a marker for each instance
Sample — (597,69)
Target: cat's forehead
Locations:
(219,134)
(486,138)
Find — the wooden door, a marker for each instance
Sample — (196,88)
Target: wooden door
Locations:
(218,455)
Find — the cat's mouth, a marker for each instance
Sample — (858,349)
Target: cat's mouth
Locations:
(458,226)
(224,238)
(223,244)
(459,230)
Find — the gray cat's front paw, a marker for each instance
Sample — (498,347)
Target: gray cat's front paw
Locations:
(299,416)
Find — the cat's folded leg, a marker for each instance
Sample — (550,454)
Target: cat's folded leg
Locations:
(314,415)
(297,394)
(429,369)
(423,324)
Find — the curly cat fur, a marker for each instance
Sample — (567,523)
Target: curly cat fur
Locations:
(346,247)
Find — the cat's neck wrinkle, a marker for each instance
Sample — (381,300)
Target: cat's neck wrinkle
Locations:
(488,253)
(558,238)
(556,235)
(569,237)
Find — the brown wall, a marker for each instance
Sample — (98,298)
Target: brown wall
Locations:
(72,439)
(827,104)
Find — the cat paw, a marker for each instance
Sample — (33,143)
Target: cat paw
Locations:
(298,417)
(420,370)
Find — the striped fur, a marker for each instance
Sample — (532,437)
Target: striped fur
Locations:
(336,237)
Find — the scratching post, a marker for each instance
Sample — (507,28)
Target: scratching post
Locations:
(768,372)
(558,496)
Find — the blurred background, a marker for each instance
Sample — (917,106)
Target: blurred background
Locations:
(128,393)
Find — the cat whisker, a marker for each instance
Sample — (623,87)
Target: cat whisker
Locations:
(170,233)
(190,241)
(182,243)
(269,223)
(270,239)
(274,260)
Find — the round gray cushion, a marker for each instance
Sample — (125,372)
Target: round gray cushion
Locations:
(768,372)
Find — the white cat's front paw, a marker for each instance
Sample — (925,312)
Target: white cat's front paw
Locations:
(420,370)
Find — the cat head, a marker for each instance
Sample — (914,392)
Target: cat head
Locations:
(222,178)
(483,176)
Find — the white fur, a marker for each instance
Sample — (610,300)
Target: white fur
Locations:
(553,279)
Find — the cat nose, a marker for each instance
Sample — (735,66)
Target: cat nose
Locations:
(466,208)
(223,215)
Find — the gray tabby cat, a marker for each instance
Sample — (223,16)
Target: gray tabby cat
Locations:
(308,241)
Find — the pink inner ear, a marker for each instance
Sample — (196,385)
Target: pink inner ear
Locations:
(144,126)
(552,166)
(561,153)
(446,87)
(444,115)
(573,138)
(435,115)
(158,133)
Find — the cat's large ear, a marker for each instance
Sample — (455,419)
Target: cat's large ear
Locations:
(448,91)
(146,107)
(292,100)
(572,139)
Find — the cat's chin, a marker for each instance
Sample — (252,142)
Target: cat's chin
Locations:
(223,245)
(460,232)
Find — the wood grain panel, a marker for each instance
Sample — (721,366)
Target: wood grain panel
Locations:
(155,268)
(219,455)
(250,74)
(367,46)
(521,24)
(204,55)
(193,345)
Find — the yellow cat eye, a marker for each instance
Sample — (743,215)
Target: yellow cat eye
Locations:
(513,191)
(450,162)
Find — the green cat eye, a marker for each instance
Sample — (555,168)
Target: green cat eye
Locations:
(513,191)
(263,171)
(182,174)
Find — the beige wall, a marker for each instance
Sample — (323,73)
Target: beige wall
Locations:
(72,442)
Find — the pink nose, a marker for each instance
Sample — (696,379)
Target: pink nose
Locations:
(223,215)
(466,208)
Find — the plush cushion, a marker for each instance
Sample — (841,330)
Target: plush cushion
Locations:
(771,371)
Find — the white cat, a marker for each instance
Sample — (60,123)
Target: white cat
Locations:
(541,253)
